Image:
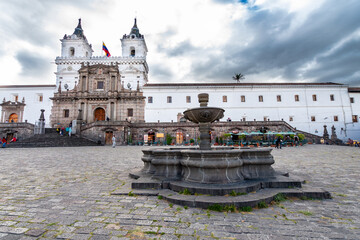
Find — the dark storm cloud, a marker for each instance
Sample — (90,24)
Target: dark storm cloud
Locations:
(276,47)
(342,64)
(32,65)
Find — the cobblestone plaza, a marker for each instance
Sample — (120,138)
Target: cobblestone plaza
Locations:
(65,193)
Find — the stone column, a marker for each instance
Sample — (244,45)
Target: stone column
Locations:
(205,136)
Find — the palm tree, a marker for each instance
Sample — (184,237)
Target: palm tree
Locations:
(238,76)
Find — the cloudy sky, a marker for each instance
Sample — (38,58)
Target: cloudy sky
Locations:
(191,40)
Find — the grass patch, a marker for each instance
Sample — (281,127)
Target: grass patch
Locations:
(340,194)
(186,207)
(279,197)
(245,209)
(185,192)
(216,207)
(262,204)
(160,197)
(131,194)
(234,194)
(306,213)
(171,205)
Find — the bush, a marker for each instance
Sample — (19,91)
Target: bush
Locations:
(192,140)
(301,136)
(169,139)
(217,140)
(279,136)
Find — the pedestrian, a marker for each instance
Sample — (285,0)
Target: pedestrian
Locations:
(113,141)
(70,131)
(3,141)
(296,139)
(278,142)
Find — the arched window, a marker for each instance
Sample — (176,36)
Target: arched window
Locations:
(86,54)
(72,52)
(13,117)
(132,52)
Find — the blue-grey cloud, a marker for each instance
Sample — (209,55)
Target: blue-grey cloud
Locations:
(275,46)
(161,72)
(32,64)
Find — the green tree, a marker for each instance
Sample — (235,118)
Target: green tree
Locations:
(169,139)
(238,77)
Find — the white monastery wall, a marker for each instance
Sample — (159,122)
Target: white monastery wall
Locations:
(31,94)
(306,114)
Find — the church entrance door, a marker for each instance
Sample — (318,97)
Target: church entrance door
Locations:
(99,114)
(108,137)
(13,117)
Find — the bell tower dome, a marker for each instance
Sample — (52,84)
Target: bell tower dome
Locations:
(133,45)
(76,44)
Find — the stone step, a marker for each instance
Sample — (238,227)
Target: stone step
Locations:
(52,139)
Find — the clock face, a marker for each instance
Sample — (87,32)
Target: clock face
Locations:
(69,68)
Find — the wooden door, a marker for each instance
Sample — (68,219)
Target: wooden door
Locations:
(108,137)
(13,117)
(99,114)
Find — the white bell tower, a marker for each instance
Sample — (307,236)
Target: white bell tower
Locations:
(133,45)
(76,45)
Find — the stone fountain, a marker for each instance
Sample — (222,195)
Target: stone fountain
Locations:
(208,174)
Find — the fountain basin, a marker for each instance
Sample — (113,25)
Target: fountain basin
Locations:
(204,114)
(217,166)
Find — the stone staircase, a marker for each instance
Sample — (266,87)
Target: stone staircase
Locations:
(51,138)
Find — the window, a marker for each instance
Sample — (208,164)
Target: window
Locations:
(72,52)
(132,52)
(100,85)
(130,112)
(297,98)
(188,99)
(314,97)
(336,118)
(169,99)
(291,118)
(313,118)
(16,98)
(278,97)
(244,119)
(224,98)
(261,98)
(40,97)
(242,98)
(352,100)
(332,98)
(66,113)
(150,99)
(355,118)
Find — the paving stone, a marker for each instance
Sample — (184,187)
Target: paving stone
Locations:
(35,232)
(61,191)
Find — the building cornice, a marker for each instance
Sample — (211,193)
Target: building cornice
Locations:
(242,85)
(27,86)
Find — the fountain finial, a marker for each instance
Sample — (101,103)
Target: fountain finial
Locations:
(203,99)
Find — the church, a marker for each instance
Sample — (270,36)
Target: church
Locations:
(112,95)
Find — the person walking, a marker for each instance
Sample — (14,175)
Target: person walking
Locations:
(70,131)
(113,141)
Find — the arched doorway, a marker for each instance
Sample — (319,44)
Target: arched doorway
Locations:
(99,114)
(13,117)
